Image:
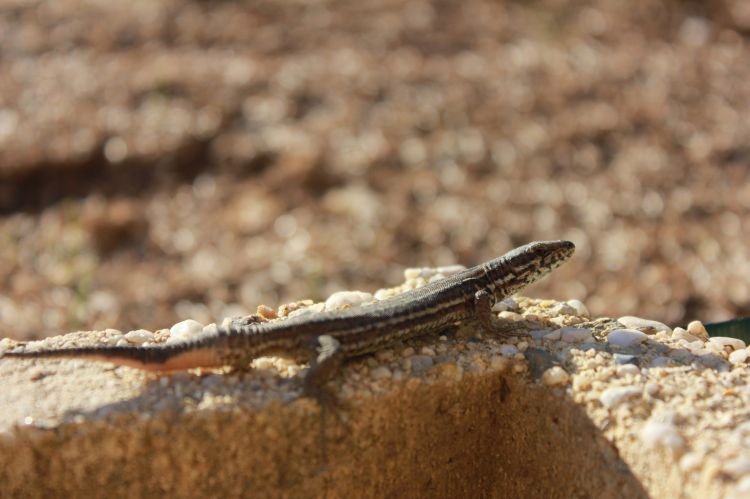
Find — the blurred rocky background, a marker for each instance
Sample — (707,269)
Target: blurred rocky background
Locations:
(164,160)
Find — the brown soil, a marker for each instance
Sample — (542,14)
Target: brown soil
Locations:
(175,159)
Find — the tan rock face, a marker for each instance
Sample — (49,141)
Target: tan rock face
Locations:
(441,416)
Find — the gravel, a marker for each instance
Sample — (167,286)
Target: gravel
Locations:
(694,411)
(626,337)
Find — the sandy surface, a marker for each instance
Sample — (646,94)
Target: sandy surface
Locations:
(169,160)
(624,408)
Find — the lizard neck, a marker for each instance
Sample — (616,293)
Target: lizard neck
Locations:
(524,265)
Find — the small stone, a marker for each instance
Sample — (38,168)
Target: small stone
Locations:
(122,342)
(555,376)
(381,372)
(661,434)
(559,321)
(139,336)
(510,316)
(626,337)
(697,329)
(612,397)
(553,336)
(508,350)
(427,351)
(266,312)
(737,467)
(185,330)
(621,359)
(407,352)
(628,370)
(661,362)
(680,334)
(382,294)
(575,335)
(505,305)
(681,356)
(743,486)
(420,363)
(724,341)
(644,325)
(696,346)
(580,308)
(344,299)
(690,462)
(287,308)
(738,356)
(312,309)
(563,309)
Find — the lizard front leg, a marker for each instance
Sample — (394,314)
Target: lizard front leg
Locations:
(483,302)
(325,363)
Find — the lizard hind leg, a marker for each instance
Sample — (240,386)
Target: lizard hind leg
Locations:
(324,365)
(483,302)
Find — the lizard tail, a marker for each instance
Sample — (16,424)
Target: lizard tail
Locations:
(173,357)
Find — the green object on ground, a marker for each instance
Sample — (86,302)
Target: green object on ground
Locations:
(734,328)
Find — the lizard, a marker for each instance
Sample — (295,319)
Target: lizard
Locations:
(328,338)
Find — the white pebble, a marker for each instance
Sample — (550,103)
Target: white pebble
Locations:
(737,467)
(626,337)
(628,369)
(632,322)
(122,342)
(696,346)
(412,273)
(738,356)
(696,328)
(724,341)
(348,298)
(185,330)
(680,334)
(382,294)
(139,336)
(381,372)
(312,309)
(555,376)
(575,335)
(612,397)
(691,461)
(563,309)
(508,350)
(510,316)
(580,308)
(743,486)
(506,304)
(427,351)
(661,434)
